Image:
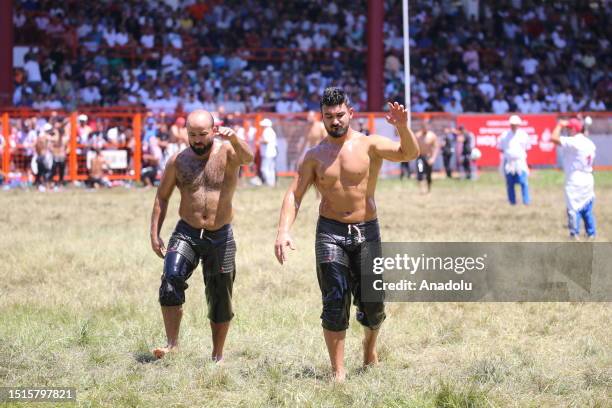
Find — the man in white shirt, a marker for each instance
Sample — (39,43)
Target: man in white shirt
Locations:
(578,153)
(32,69)
(499,105)
(268,153)
(514,145)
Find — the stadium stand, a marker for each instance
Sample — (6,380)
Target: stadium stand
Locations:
(247,56)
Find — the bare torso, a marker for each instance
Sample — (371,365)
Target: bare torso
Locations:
(58,146)
(97,167)
(42,145)
(346,177)
(207,188)
(427,143)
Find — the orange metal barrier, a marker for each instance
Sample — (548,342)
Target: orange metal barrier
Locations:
(19,147)
(16,155)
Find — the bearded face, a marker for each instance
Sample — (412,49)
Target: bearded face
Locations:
(201,139)
(336,119)
(201,148)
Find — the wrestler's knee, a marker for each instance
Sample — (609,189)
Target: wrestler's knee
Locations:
(371,314)
(177,270)
(335,295)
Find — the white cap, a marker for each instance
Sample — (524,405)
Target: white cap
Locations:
(47,127)
(515,120)
(82,118)
(265,123)
(113,133)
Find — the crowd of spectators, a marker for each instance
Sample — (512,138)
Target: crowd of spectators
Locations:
(254,55)
(40,147)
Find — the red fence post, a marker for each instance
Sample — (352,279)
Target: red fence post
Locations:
(72,157)
(6,154)
(137,127)
(371,124)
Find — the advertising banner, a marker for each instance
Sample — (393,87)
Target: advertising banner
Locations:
(489,128)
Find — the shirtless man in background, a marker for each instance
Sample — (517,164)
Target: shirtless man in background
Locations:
(44,159)
(97,172)
(315,134)
(429,148)
(206,175)
(344,167)
(59,149)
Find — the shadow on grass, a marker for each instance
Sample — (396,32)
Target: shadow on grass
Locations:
(144,357)
(311,372)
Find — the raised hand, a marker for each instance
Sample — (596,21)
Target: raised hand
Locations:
(398,115)
(226,133)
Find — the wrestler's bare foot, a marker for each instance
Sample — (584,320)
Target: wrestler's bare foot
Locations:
(338,376)
(160,352)
(218,360)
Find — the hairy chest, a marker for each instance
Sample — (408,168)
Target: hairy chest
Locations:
(194,174)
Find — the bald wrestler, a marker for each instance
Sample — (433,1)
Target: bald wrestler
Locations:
(206,175)
(344,167)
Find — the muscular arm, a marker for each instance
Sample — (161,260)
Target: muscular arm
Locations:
(242,150)
(241,153)
(160,205)
(407,149)
(291,205)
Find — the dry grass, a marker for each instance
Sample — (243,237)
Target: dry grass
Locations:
(78,307)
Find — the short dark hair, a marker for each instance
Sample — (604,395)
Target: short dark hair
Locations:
(334,96)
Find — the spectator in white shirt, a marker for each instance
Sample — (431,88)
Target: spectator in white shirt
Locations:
(597,104)
(529,65)
(487,89)
(268,153)
(454,106)
(32,69)
(471,59)
(175,40)
(90,94)
(499,105)
(170,63)
(578,154)
(19,19)
(192,104)
(513,145)
(524,104)
(148,39)
(564,100)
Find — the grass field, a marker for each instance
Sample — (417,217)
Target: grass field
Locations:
(78,307)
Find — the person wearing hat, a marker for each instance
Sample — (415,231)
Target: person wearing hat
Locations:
(269,152)
(513,145)
(577,152)
(83,129)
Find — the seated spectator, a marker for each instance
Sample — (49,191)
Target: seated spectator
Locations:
(98,172)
